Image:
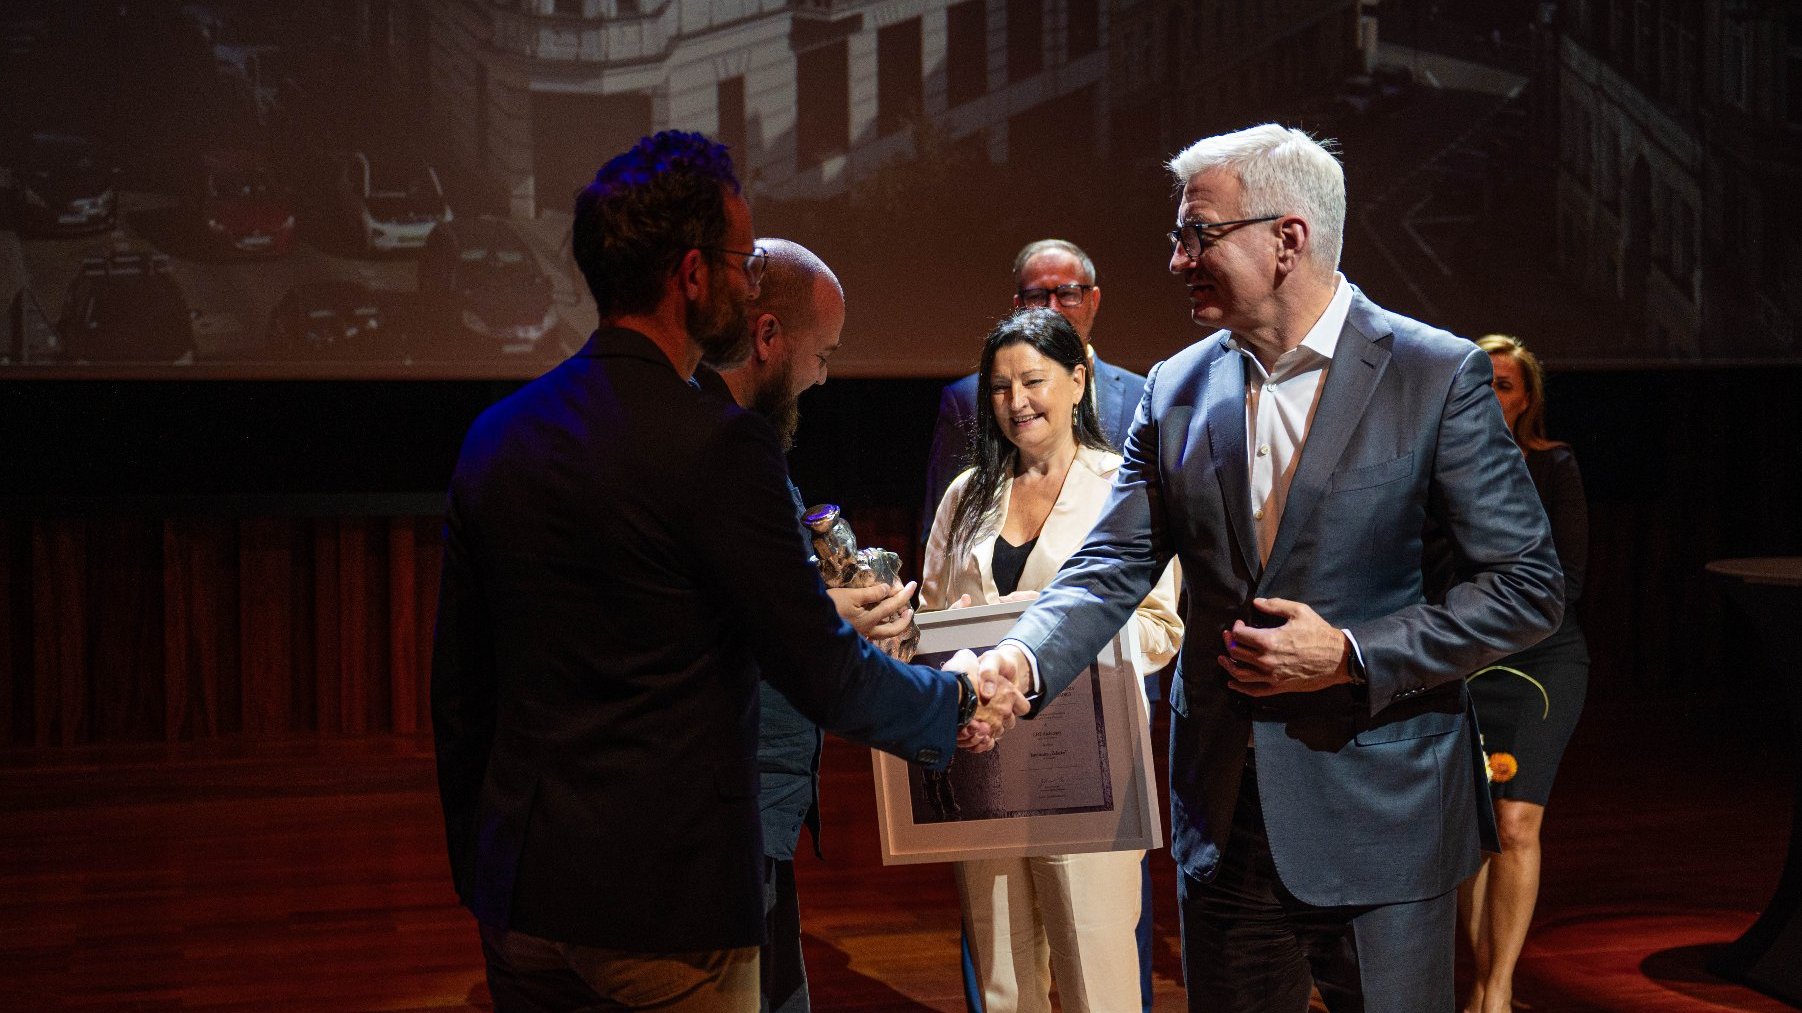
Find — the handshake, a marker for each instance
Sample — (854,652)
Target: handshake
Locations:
(1003,679)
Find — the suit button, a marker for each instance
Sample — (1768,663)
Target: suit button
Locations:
(927,757)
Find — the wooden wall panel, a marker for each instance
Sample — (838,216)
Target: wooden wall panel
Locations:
(59,631)
(428,533)
(201,674)
(15,599)
(353,624)
(266,625)
(130,628)
(327,634)
(124,635)
(403,645)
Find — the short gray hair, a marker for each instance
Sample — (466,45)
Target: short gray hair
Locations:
(786,289)
(1281,170)
(1038,246)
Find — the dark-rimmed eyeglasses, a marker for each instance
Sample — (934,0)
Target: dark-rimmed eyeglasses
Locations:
(1066,295)
(1194,237)
(755,260)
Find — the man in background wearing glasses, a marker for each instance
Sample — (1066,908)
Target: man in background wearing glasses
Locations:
(1048,272)
(1058,274)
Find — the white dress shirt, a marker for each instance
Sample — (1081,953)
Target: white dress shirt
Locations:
(1279,408)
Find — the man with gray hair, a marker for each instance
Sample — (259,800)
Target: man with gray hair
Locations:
(1303,461)
(795,323)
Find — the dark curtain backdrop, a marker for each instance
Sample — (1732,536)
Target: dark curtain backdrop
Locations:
(192,560)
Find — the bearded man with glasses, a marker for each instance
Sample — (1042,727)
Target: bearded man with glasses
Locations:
(620,564)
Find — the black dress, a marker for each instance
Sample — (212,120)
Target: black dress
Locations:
(1527,704)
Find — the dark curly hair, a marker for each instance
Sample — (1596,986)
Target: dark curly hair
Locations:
(645,209)
(991,453)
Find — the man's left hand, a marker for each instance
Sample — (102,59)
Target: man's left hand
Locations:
(1303,655)
(877,612)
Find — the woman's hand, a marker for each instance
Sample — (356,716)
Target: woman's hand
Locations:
(1019,596)
(961,603)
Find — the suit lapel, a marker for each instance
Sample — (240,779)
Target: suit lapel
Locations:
(1085,487)
(1358,364)
(1108,397)
(1225,401)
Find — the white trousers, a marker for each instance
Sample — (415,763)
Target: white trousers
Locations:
(1069,915)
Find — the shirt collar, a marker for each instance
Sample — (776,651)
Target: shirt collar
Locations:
(1323,338)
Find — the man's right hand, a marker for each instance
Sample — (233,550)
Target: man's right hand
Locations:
(873,611)
(1007,663)
(1001,700)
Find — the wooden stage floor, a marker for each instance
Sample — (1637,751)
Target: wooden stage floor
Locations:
(310,875)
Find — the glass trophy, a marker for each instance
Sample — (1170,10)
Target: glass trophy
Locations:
(843,564)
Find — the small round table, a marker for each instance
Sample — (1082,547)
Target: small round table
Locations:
(1768,956)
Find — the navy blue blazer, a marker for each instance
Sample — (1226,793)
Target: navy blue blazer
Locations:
(1117,393)
(788,745)
(1371,795)
(621,561)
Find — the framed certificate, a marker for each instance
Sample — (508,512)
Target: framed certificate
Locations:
(1077,778)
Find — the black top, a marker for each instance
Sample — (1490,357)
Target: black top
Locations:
(1010,560)
(1560,486)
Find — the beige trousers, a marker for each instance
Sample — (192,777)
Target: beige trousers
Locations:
(1072,916)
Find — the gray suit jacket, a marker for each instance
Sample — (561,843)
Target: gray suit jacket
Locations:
(1370,795)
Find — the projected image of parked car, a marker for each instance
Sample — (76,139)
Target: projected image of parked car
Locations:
(241,208)
(479,275)
(333,320)
(62,185)
(126,307)
(391,202)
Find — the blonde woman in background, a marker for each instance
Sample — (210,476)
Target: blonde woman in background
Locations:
(1042,474)
(1527,704)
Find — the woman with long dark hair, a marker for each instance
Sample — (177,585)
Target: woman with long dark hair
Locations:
(1527,704)
(1041,473)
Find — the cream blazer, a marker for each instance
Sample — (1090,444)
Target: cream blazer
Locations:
(1079,503)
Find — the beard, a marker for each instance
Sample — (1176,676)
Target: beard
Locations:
(719,325)
(781,409)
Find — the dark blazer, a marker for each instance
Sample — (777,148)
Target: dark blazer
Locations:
(620,560)
(1117,393)
(1370,796)
(788,745)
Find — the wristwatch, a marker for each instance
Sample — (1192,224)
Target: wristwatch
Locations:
(966,700)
